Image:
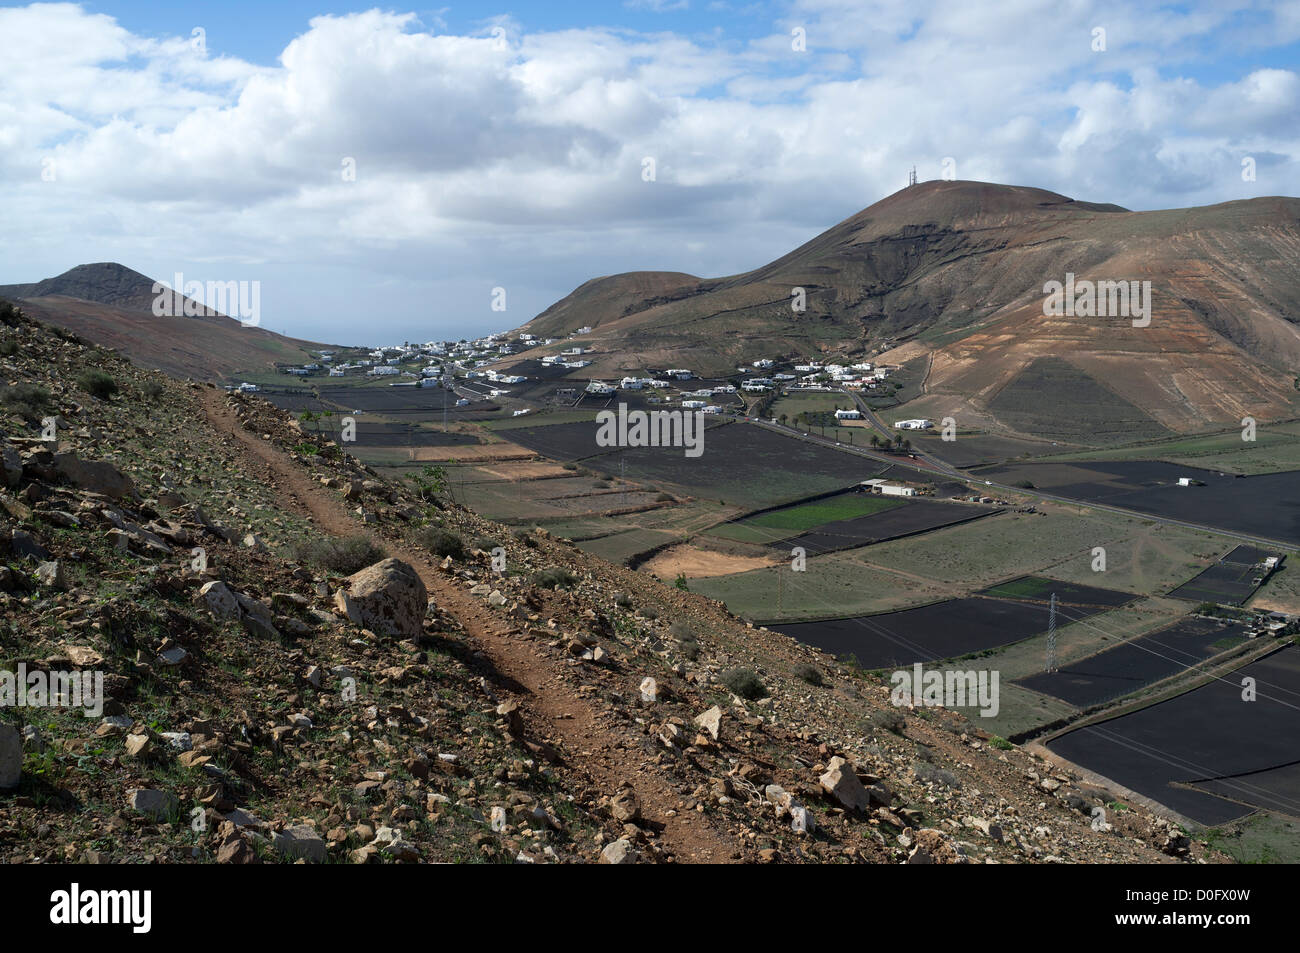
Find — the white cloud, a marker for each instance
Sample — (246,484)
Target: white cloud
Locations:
(516,158)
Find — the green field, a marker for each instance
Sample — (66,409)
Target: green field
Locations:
(774,525)
(1141,557)
(809,515)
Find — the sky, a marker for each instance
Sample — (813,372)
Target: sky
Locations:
(391,174)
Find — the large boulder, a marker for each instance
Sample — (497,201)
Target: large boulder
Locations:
(97,476)
(841,782)
(388,598)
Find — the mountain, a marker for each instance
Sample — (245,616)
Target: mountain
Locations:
(951,276)
(113,306)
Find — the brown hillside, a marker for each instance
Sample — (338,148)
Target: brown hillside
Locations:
(112,306)
(958,268)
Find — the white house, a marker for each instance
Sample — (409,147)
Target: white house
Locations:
(918,424)
(897,489)
(680,373)
(848,415)
(693,404)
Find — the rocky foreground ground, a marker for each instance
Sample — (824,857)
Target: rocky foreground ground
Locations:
(304,662)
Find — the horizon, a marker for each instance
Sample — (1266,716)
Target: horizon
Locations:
(409,164)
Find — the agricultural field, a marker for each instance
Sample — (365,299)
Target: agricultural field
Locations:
(1206,753)
(1265,505)
(1057,400)
(941,630)
(979,449)
(1058,541)
(1276,447)
(788,521)
(1138,663)
(1040,589)
(915,516)
(741,464)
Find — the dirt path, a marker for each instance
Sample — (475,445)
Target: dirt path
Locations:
(603,756)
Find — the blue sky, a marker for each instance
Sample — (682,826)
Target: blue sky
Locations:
(518,161)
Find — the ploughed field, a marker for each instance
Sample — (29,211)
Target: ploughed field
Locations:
(1209,754)
(1265,505)
(928,633)
(1041,589)
(1136,664)
(741,464)
(1231,581)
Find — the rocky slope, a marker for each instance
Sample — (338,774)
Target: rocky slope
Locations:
(303,662)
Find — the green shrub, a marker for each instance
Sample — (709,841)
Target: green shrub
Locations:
(809,673)
(152,390)
(622,600)
(665,498)
(344,555)
(29,401)
(485,544)
(553,578)
(890,719)
(441,542)
(97,384)
(8,347)
(744,682)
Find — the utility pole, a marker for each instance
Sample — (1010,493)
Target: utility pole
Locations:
(1051,636)
(911,177)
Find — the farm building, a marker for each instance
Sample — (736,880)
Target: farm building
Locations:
(885,488)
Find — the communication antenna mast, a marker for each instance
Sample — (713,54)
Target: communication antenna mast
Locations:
(911,176)
(1051,636)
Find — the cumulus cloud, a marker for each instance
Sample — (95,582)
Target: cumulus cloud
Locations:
(380,154)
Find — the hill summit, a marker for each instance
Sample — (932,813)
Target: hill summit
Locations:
(953,276)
